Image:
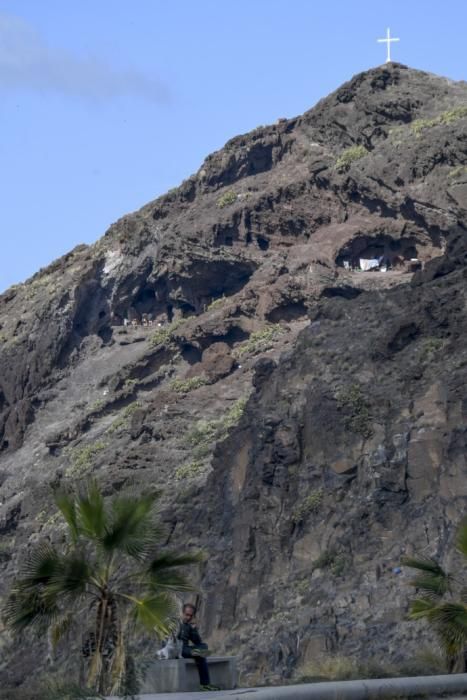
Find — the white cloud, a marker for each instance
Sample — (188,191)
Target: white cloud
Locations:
(27,61)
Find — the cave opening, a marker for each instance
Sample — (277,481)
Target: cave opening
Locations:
(105,334)
(263,243)
(383,252)
(180,296)
(226,234)
(232,337)
(292,311)
(191,354)
(186,308)
(145,301)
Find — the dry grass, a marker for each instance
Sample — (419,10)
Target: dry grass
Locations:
(338,667)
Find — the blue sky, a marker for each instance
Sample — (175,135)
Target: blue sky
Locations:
(106,104)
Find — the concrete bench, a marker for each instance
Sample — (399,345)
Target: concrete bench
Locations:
(181,675)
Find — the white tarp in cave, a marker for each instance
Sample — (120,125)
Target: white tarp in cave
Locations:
(371,264)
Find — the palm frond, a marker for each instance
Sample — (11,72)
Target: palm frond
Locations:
(65,502)
(39,567)
(463,594)
(451,622)
(29,609)
(449,619)
(173,581)
(161,571)
(45,580)
(169,560)
(424,564)
(421,608)
(169,579)
(71,576)
(431,585)
(157,613)
(131,526)
(91,512)
(432,580)
(462,538)
(60,628)
(27,604)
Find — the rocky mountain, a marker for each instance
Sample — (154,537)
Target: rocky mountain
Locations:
(303,414)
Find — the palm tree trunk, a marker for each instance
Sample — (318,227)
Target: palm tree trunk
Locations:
(107,638)
(100,637)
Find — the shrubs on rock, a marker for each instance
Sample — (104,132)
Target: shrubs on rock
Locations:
(349,156)
(183,386)
(259,341)
(190,470)
(163,335)
(310,504)
(206,432)
(357,411)
(226,199)
(216,303)
(123,419)
(452,115)
(82,459)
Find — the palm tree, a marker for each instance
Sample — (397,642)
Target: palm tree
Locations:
(111,572)
(438,604)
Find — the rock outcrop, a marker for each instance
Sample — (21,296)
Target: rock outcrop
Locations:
(305,419)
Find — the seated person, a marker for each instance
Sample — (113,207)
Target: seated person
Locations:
(193,646)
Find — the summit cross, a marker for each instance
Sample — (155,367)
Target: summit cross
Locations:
(388,42)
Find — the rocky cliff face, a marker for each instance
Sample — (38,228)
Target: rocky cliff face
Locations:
(305,420)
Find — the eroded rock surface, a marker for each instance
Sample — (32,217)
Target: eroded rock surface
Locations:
(305,420)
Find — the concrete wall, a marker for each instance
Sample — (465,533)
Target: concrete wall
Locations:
(428,686)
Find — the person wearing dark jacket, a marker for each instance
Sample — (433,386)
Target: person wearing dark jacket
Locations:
(193,646)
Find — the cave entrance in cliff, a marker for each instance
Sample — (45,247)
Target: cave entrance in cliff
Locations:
(209,280)
(148,302)
(382,252)
(145,301)
(179,296)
